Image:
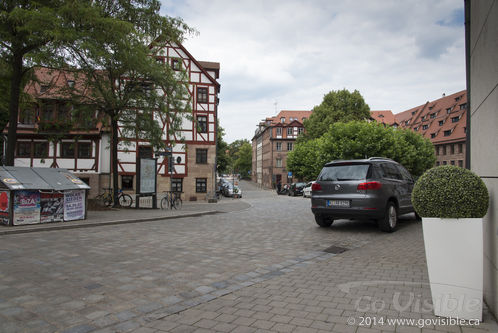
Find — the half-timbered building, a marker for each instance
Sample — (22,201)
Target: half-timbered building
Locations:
(48,135)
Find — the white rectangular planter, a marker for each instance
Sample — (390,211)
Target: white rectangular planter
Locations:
(454,252)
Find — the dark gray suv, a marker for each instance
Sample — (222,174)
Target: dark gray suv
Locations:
(375,188)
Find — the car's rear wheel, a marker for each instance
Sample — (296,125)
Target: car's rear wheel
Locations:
(390,220)
(323,221)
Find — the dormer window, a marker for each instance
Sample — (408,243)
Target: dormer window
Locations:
(448,110)
(424,127)
(455,119)
(441,122)
(381,116)
(431,107)
(463,106)
(70,83)
(433,135)
(413,112)
(458,98)
(433,115)
(447,133)
(282,120)
(43,88)
(415,129)
(407,122)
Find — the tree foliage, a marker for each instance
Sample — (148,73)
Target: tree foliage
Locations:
(30,34)
(223,160)
(337,106)
(242,163)
(112,48)
(361,139)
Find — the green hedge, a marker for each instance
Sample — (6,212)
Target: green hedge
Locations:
(450,192)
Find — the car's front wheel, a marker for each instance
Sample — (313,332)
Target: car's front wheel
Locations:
(323,220)
(390,220)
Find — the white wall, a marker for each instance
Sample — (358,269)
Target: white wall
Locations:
(483,72)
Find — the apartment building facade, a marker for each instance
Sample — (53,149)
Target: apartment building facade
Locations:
(444,122)
(274,138)
(84,148)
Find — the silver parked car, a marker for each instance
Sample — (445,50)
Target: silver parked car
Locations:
(375,188)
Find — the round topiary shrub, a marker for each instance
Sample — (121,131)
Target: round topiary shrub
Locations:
(450,192)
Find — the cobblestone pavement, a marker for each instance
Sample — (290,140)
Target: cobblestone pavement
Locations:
(262,268)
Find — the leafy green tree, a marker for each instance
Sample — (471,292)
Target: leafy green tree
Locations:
(360,139)
(337,106)
(243,159)
(29,35)
(114,48)
(223,160)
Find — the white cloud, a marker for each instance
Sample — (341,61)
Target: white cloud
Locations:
(398,54)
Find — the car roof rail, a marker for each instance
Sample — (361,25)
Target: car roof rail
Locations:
(379,158)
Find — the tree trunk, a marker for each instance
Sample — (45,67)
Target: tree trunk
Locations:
(114,159)
(15,91)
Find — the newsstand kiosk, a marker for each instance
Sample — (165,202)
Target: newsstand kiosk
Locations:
(40,195)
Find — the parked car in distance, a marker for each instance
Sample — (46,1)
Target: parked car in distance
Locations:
(296,189)
(307,190)
(230,190)
(374,188)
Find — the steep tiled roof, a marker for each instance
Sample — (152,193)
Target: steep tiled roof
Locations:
(384,116)
(442,120)
(54,83)
(289,116)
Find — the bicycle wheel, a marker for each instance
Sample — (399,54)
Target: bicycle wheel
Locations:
(177,203)
(108,200)
(125,200)
(164,203)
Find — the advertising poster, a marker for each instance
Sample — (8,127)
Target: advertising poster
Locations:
(52,207)
(147,175)
(26,207)
(74,205)
(4,207)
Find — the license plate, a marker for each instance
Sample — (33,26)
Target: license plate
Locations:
(338,203)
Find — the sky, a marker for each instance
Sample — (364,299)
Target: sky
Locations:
(287,54)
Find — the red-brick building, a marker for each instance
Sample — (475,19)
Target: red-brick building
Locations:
(444,122)
(274,139)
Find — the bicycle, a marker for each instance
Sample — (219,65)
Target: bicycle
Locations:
(124,200)
(171,199)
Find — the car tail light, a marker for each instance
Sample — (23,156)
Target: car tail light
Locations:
(316,187)
(369,186)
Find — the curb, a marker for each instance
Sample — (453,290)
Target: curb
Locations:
(68,225)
